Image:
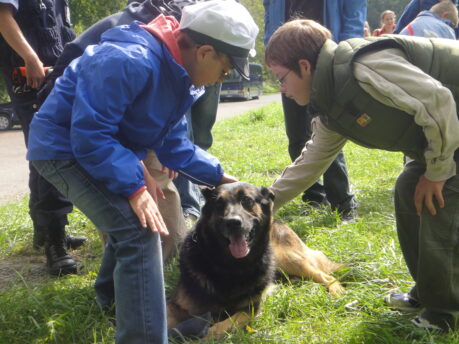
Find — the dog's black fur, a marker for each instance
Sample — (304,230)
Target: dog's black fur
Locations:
(229,259)
(217,280)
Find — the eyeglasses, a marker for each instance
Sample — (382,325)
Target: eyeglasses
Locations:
(281,81)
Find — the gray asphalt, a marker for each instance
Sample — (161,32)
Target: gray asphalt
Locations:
(14,167)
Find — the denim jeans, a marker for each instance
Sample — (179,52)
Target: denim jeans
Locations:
(201,118)
(131,273)
(335,188)
(430,244)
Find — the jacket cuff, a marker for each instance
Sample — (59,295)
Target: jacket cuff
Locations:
(440,170)
(139,190)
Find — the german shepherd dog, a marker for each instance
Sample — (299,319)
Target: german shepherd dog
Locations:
(230,259)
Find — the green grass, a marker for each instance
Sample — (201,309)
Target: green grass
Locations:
(35,308)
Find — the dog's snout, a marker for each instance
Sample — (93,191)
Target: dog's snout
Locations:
(233,222)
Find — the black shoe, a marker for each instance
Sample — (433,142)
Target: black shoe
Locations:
(348,216)
(58,261)
(73,242)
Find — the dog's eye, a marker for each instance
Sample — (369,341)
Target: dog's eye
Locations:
(247,202)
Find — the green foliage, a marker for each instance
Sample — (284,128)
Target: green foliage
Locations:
(87,12)
(36,308)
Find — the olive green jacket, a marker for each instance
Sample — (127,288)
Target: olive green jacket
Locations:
(378,98)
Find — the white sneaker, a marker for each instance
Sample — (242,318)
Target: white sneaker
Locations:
(402,302)
(425,324)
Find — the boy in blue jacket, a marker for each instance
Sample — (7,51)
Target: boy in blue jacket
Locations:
(119,99)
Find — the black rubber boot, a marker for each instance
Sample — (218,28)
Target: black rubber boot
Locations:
(74,242)
(58,261)
(38,237)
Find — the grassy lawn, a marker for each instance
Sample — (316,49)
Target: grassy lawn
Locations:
(35,308)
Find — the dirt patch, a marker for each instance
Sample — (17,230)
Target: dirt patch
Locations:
(28,270)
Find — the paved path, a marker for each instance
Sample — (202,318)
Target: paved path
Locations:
(14,167)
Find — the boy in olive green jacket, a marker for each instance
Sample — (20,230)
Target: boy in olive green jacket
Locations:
(393,93)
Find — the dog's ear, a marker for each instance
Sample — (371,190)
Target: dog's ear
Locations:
(209,193)
(267,193)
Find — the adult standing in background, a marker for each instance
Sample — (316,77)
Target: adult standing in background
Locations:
(345,19)
(439,22)
(33,34)
(414,7)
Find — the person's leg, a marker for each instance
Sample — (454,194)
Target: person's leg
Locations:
(133,261)
(430,245)
(170,208)
(203,116)
(190,194)
(298,129)
(46,204)
(48,209)
(336,184)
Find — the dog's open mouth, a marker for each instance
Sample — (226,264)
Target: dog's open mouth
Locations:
(239,245)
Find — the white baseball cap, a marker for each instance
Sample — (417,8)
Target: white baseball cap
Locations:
(227,26)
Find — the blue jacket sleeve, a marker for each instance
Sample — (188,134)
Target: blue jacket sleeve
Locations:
(180,154)
(104,89)
(353,16)
(274,17)
(345,18)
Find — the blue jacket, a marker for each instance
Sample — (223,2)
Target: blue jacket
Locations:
(344,18)
(411,11)
(427,24)
(120,98)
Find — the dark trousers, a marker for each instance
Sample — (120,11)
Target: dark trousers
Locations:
(430,245)
(47,206)
(335,187)
(201,118)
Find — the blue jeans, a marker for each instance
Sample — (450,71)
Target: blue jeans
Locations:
(201,118)
(335,188)
(131,273)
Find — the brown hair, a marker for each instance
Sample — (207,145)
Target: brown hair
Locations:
(385,13)
(296,40)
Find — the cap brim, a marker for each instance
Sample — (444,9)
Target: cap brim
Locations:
(241,65)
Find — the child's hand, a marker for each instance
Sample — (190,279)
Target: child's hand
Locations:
(424,193)
(152,187)
(147,211)
(226,178)
(172,174)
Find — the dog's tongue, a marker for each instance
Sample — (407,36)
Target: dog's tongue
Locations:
(238,246)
